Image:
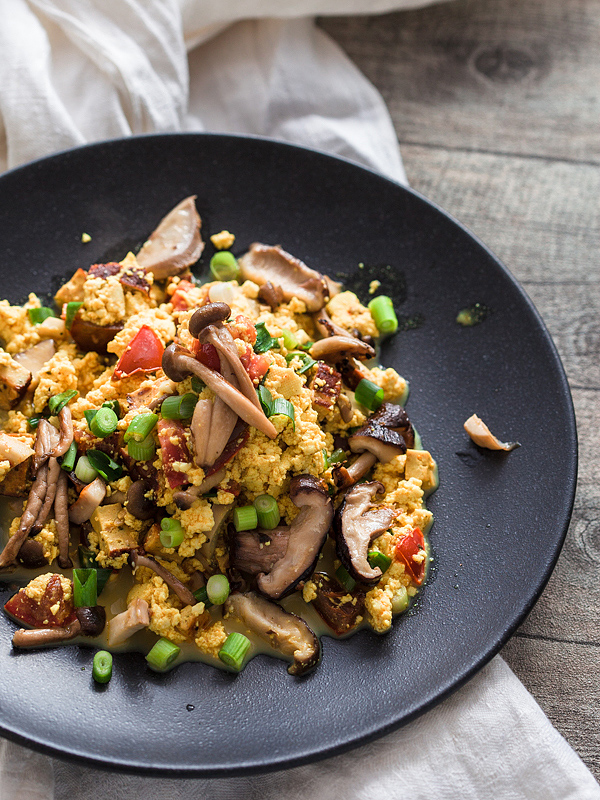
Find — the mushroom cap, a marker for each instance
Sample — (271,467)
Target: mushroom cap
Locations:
(285,632)
(340,609)
(336,347)
(357,523)
(138,504)
(264,263)
(208,315)
(175,244)
(92,619)
(382,442)
(174,362)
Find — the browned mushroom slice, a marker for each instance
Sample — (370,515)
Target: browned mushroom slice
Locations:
(208,548)
(334,348)
(264,263)
(140,500)
(255,552)
(90,336)
(395,417)
(175,244)
(384,443)
(35,357)
(340,609)
(482,436)
(285,632)
(326,326)
(180,589)
(124,625)
(308,532)
(151,396)
(14,380)
(271,295)
(357,523)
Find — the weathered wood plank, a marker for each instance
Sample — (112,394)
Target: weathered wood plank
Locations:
(488,75)
(564,681)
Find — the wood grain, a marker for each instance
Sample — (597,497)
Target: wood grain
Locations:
(496,104)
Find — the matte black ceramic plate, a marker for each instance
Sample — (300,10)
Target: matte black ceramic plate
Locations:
(499,519)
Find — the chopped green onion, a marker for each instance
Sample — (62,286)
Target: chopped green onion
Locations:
(336,457)
(163,654)
(266,399)
(37,315)
(33,422)
(217,589)
(87,559)
(114,405)
(197,384)
(201,596)
(289,340)
(85,588)
(103,463)
(102,668)
(172,533)
(282,406)
(267,511)
(264,340)
(378,559)
(89,415)
(245,518)
(384,316)
(59,401)
(68,460)
(307,361)
(224,266)
(72,309)
(140,426)
(84,470)
(305,346)
(369,394)
(104,423)
(345,578)
(181,406)
(400,601)
(234,650)
(142,451)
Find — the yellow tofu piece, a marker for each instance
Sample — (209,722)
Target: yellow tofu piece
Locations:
(420,465)
(110,536)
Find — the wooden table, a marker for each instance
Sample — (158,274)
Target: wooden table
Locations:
(496,105)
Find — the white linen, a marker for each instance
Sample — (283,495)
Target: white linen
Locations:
(75,71)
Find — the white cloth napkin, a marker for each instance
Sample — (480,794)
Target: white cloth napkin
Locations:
(75,71)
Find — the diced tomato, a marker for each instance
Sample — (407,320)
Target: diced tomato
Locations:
(38,613)
(104,270)
(243,328)
(255,365)
(143,354)
(408,547)
(206,354)
(179,299)
(174,449)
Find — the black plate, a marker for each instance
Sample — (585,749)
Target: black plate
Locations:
(499,519)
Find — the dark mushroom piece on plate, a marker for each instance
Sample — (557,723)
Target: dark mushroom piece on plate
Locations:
(176,243)
(138,559)
(340,609)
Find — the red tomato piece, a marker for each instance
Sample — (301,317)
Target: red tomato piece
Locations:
(179,301)
(143,354)
(37,613)
(207,355)
(174,449)
(243,328)
(410,546)
(255,365)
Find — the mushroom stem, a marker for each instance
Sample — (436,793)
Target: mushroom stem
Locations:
(54,471)
(61,514)
(43,445)
(223,342)
(182,592)
(42,636)
(66,432)
(32,509)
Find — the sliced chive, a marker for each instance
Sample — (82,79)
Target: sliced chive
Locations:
(234,650)
(307,361)
(384,316)
(37,315)
(114,405)
(289,340)
(104,464)
(345,578)
(140,426)
(162,654)
(282,406)
(104,422)
(179,407)
(72,309)
(68,460)
(400,601)
(336,457)
(87,559)
(142,451)
(58,401)
(201,596)
(85,588)
(172,533)
(245,518)
(89,415)
(84,470)
(102,667)
(267,511)
(217,589)
(197,384)
(369,394)
(224,266)
(266,399)
(378,559)
(33,422)
(264,340)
